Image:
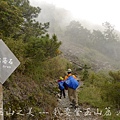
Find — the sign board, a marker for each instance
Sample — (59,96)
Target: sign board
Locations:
(8,62)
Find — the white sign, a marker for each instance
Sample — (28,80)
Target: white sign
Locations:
(8,62)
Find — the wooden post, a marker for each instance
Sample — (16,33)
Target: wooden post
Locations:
(1,103)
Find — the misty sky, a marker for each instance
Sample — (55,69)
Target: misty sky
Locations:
(94,11)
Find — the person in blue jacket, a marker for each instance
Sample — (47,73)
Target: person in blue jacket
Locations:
(61,87)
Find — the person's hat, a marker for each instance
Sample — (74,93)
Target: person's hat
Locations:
(61,78)
(69,70)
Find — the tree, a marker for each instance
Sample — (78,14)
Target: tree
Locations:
(98,40)
(112,40)
(18,20)
(10,19)
(97,37)
(85,72)
(115,76)
(44,48)
(75,31)
(109,33)
(30,27)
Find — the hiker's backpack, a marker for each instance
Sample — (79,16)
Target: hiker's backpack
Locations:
(61,86)
(71,82)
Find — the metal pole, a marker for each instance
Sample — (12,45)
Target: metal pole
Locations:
(1,103)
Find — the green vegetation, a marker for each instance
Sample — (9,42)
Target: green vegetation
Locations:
(33,85)
(36,89)
(101,90)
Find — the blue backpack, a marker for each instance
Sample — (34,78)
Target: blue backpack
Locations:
(61,86)
(71,82)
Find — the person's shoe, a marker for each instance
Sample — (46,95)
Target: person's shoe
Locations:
(76,106)
(71,105)
(73,102)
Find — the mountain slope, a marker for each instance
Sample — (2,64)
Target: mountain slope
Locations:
(82,55)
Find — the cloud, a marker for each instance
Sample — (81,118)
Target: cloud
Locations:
(95,11)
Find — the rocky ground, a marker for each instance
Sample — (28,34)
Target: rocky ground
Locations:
(64,111)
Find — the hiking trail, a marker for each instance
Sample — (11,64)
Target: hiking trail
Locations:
(65,111)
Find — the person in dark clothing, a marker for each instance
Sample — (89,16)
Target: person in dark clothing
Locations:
(61,87)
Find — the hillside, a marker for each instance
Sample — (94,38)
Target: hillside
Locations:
(77,53)
(46,51)
(83,54)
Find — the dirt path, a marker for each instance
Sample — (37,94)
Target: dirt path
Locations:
(65,111)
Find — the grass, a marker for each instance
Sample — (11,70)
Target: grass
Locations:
(92,94)
(89,95)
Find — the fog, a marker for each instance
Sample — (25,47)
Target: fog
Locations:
(94,44)
(94,11)
(60,16)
